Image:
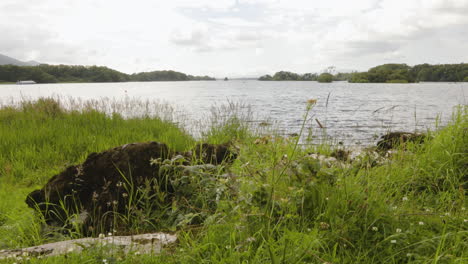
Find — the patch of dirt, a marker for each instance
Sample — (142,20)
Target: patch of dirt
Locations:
(393,140)
(103,183)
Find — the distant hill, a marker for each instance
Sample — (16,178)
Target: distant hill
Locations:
(5,60)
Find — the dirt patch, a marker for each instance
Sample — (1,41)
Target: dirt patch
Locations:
(101,187)
(393,140)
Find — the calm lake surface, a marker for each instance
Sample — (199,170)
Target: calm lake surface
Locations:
(355,113)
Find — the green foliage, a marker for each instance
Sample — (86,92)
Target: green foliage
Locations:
(286,76)
(265,78)
(325,78)
(65,73)
(277,203)
(402,73)
(342,76)
(289,76)
(397,81)
(166,76)
(228,123)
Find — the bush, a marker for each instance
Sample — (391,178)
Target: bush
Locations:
(325,78)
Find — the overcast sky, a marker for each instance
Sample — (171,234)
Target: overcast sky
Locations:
(235,38)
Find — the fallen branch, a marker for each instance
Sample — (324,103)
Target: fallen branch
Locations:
(143,244)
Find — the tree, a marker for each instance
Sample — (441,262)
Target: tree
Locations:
(325,78)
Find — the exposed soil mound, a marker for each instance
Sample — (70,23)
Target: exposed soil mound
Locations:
(393,140)
(102,186)
(214,154)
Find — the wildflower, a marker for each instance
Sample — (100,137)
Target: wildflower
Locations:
(114,202)
(324,225)
(465,220)
(463,208)
(447,214)
(124,195)
(394,207)
(311,101)
(398,230)
(137,253)
(108,203)
(104,261)
(95,196)
(393,241)
(326,198)
(374,228)
(409,255)
(421,223)
(405,198)
(101,236)
(250,239)
(109,234)
(119,184)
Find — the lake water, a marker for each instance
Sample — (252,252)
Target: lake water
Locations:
(354,113)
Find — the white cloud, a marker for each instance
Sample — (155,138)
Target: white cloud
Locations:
(227,36)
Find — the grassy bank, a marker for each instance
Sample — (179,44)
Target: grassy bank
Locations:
(280,204)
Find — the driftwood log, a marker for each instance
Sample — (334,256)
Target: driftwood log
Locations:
(143,244)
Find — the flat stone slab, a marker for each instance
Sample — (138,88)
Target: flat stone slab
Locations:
(144,244)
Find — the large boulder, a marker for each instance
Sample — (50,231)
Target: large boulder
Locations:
(102,187)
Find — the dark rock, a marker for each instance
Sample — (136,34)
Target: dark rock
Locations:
(99,188)
(214,154)
(340,154)
(393,140)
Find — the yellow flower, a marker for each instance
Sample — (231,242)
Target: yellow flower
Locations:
(312,101)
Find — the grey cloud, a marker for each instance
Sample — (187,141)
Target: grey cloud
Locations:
(250,36)
(37,44)
(245,11)
(373,46)
(195,38)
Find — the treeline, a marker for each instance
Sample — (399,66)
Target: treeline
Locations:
(386,73)
(402,73)
(167,76)
(45,73)
(291,76)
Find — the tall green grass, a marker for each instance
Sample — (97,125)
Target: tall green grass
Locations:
(40,138)
(286,206)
